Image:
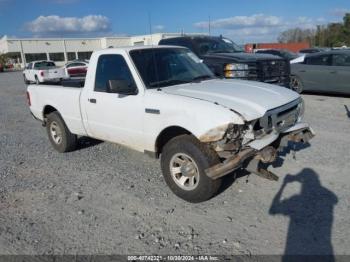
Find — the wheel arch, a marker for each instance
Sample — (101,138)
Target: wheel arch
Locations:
(48,109)
(166,135)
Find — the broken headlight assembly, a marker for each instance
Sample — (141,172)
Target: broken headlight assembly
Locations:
(236,70)
(231,141)
(301,110)
(234,132)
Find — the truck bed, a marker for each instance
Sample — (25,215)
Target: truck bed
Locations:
(64,97)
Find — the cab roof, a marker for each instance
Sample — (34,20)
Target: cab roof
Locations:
(143,47)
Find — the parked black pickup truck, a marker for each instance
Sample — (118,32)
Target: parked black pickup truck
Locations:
(227,59)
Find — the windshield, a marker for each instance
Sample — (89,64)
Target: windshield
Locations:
(217,45)
(44,64)
(160,67)
(289,55)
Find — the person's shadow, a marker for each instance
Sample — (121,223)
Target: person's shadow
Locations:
(311,218)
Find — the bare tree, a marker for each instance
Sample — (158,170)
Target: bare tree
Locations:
(297,35)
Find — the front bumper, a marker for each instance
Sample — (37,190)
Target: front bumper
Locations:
(264,150)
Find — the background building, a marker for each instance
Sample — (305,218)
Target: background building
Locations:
(62,50)
(293,47)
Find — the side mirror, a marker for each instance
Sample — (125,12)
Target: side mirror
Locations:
(122,87)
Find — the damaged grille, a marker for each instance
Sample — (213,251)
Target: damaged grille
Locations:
(279,118)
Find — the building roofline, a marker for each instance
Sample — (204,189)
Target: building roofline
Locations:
(61,39)
(6,38)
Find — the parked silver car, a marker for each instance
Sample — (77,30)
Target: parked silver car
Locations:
(323,72)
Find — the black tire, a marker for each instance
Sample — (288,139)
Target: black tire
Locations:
(64,140)
(202,156)
(37,82)
(25,80)
(296,84)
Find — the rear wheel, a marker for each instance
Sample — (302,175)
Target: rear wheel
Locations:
(296,84)
(59,135)
(25,80)
(37,82)
(183,162)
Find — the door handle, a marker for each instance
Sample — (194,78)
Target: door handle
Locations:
(302,71)
(333,72)
(92,100)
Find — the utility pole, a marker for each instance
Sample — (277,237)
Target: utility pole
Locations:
(209,26)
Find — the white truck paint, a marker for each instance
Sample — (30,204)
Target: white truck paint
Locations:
(235,119)
(43,71)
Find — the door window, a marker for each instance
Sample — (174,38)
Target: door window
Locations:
(341,60)
(75,65)
(71,65)
(319,60)
(112,67)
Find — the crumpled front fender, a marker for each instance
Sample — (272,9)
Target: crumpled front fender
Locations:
(214,134)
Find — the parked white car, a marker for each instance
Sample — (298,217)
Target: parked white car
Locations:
(43,71)
(166,102)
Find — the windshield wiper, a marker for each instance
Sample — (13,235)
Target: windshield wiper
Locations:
(202,77)
(168,82)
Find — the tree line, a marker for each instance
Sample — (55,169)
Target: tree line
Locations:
(330,35)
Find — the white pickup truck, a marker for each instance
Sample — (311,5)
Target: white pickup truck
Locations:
(43,71)
(165,102)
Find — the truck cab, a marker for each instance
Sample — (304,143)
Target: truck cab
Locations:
(226,59)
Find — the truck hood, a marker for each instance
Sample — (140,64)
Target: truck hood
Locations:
(243,57)
(248,98)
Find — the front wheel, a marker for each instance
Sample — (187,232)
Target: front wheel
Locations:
(296,84)
(59,135)
(183,162)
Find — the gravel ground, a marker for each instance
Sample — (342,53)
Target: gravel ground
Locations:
(106,199)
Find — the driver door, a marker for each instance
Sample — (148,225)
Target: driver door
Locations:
(114,117)
(314,72)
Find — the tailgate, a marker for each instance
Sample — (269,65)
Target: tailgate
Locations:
(54,73)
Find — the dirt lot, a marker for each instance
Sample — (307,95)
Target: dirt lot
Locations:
(107,199)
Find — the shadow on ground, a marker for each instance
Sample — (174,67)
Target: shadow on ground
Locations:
(347,111)
(311,218)
(292,148)
(326,94)
(86,142)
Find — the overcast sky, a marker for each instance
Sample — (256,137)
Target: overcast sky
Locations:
(242,21)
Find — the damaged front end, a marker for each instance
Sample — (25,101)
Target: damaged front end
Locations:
(255,145)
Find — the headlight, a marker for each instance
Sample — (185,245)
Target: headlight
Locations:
(236,74)
(236,70)
(231,67)
(301,109)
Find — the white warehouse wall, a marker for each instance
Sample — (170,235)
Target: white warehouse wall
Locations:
(30,47)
